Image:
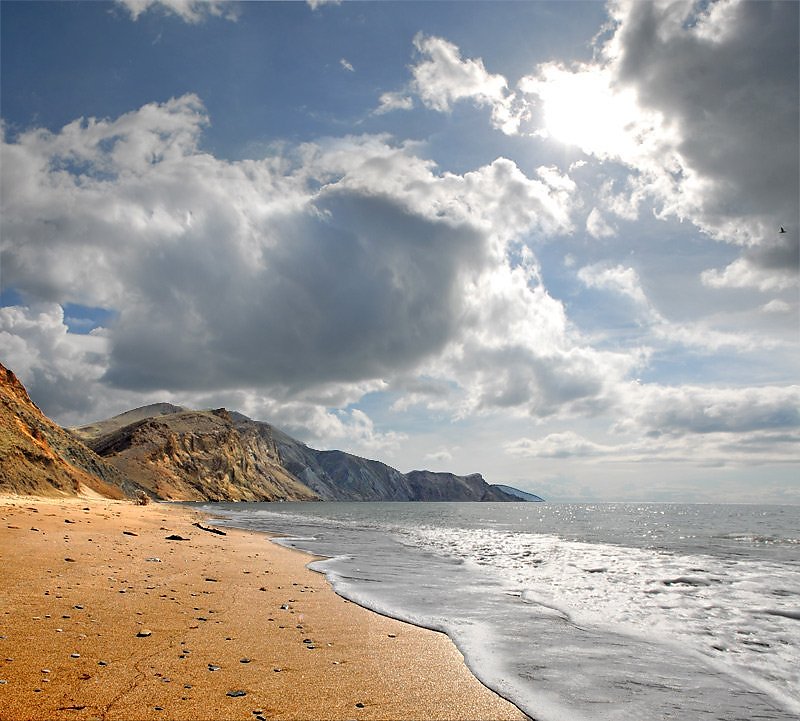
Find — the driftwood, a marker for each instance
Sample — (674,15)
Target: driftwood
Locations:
(210,530)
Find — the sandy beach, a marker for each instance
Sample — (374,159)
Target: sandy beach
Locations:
(110,610)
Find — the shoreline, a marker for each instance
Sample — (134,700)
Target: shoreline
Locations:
(107,615)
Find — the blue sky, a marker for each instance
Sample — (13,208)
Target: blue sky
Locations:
(536,240)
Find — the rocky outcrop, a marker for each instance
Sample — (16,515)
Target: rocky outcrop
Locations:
(39,457)
(178,454)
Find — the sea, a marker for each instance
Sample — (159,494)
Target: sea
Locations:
(578,612)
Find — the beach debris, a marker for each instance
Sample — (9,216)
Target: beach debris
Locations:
(144,633)
(74,655)
(102,663)
(212,580)
(214,667)
(153,559)
(68,520)
(176,537)
(210,530)
(69,560)
(129,533)
(236,694)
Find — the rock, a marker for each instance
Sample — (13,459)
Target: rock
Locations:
(69,560)
(244,660)
(176,537)
(213,667)
(236,694)
(130,533)
(144,633)
(74,655)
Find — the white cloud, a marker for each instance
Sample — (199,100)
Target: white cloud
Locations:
(776,306)
(394,101)
(347,65)
(615,278)
(316,4)
(597,226)
(191,11)
(567,444)
(442,78)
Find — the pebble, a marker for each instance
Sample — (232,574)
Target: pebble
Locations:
(74,655)
(359,705)
(102,663)
(236,694)
(212,667)
(244,660)
(69,560)
(144,633)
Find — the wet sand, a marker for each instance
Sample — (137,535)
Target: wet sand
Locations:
(102,616)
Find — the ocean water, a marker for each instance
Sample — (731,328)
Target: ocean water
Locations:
(579,612)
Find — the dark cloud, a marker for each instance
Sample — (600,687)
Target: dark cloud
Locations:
(355,287)
(725,78)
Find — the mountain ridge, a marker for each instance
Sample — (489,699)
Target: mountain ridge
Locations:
(171,452)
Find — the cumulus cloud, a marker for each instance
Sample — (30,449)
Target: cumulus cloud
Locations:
(191,11)
(348,261)
(666,410)
(704,426)
(701,102)
(441,78)
(567,444)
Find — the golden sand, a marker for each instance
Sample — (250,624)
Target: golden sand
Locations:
(103,617)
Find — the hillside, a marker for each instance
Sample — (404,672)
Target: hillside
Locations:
(174,453)
(218,455)
(39,457)
(178,454)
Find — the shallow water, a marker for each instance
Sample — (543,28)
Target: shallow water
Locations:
(603,611)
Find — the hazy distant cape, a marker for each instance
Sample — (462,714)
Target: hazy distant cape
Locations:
(175,453)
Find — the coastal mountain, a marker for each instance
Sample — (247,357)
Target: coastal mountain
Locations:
(176,453)
(41,458)
(340,476)
(179,454)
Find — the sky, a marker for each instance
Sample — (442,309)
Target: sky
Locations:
(555,243)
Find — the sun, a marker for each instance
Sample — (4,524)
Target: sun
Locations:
(584,109)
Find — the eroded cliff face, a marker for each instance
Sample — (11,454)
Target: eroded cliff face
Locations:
(197,455)
(39,457)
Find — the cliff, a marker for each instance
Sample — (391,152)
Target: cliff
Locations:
(39,457)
